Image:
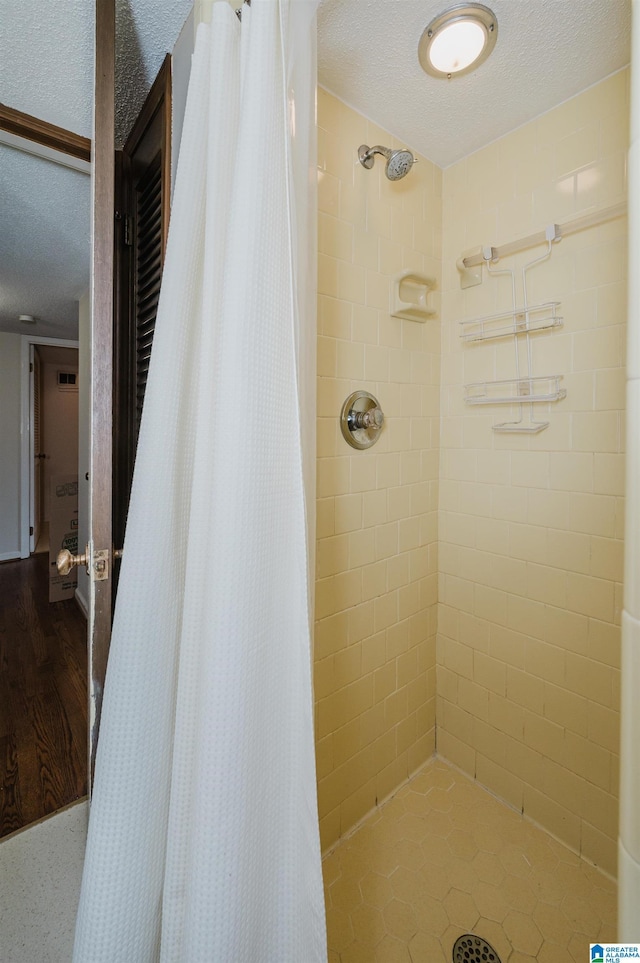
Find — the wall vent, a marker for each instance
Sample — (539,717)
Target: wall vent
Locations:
(67,380)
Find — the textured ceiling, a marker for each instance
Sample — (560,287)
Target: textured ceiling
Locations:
(547,51)
(146,30)
(46,69)
(44,244)
(46,60)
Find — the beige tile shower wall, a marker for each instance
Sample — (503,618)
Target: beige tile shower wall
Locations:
(376,589)
(531,525)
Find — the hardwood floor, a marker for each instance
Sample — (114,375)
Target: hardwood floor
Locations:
(43,696)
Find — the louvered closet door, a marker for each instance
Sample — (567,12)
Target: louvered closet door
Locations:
(148,272)
(141,222)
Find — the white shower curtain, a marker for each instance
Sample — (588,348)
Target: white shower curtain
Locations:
(203,839)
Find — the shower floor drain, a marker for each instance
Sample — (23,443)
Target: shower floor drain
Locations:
(473,949)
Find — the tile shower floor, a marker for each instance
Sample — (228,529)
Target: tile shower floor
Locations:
(443,857)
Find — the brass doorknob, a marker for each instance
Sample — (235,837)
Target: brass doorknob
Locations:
(66,561)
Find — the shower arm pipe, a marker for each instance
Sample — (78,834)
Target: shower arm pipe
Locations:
(379,149)
(562,230)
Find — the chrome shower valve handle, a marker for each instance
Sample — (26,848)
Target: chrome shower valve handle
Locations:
(361,420)
(373,418)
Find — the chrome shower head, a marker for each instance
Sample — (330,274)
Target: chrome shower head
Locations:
(399,162)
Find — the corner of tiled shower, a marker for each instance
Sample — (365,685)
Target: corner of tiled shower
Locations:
(507,550)
(506,547)
(445,858)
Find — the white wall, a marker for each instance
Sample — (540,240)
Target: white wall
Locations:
(59,428)
(9,446)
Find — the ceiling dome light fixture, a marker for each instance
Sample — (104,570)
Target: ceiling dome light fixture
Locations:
(458,41)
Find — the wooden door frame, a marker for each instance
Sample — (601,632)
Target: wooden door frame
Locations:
(41,132)
(100,455)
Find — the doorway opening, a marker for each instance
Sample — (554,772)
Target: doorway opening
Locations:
(43,631)
(53,421)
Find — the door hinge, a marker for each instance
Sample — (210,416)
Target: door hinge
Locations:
(30,529)
(30,367)
(128,230)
